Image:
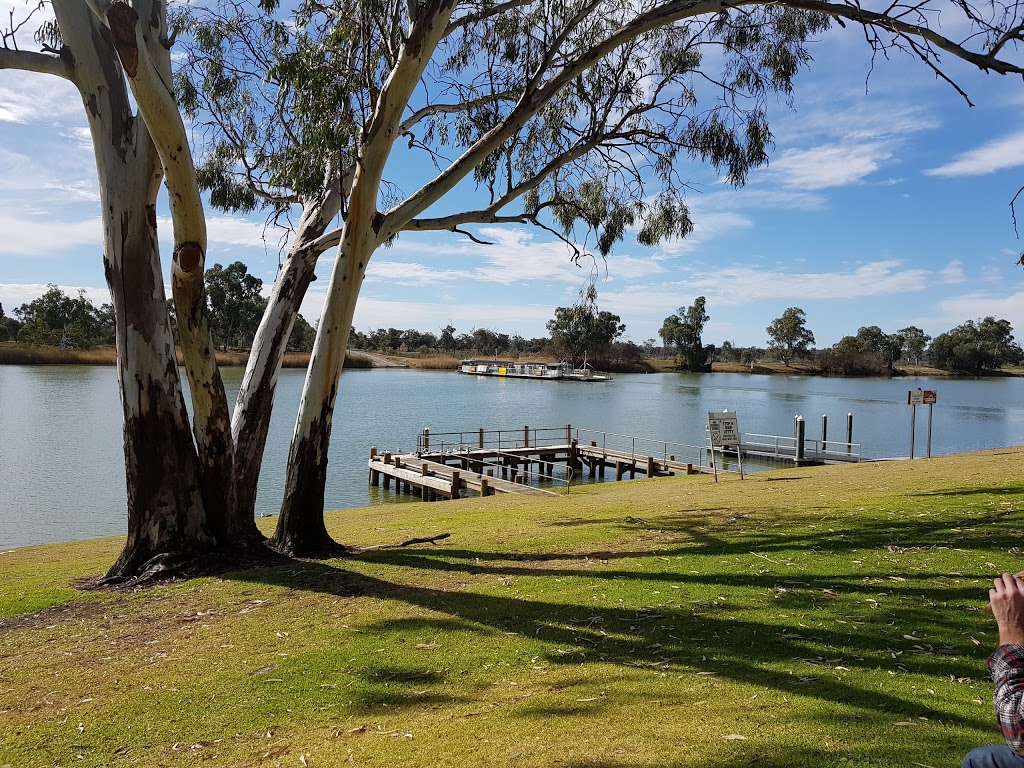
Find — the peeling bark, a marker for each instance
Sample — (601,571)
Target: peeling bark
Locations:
(147,63)
(255,401)
(166,514)
(300,528)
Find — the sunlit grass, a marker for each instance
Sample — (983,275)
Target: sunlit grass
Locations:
(809,617)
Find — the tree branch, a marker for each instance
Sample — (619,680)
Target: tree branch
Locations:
(31,61)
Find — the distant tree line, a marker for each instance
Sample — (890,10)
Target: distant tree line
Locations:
(233,295)
(577,333)
(973,347)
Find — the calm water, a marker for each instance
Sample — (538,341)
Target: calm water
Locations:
(62,467)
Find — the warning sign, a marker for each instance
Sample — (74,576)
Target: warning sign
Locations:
(724,429)
(922,397)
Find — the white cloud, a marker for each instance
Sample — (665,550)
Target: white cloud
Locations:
(515,257)
(826,166)
(43,236)
(527,319)
(996,155)
(13,295)
(952,274)
(957,310)
(738,285)
(707,226)
(29,97)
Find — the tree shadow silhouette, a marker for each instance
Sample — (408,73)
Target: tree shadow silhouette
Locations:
(871,620)
(678,639)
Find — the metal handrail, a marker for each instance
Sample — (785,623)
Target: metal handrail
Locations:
(461,450)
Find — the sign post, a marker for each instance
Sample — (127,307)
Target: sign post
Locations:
(724,431)
(931,397)
(916,397)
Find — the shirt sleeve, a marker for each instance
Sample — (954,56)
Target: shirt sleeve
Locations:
(1006,666)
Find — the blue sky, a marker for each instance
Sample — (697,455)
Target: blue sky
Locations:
(886,203)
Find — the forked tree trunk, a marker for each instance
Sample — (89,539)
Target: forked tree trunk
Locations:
(166,516)
(255,401)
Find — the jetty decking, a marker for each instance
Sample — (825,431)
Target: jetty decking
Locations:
(544,462)
(527,461)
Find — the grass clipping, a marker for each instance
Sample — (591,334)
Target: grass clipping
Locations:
(805,617)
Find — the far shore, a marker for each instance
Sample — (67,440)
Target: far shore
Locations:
(16,354)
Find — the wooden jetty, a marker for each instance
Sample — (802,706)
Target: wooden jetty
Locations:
(544,462)
(502,463)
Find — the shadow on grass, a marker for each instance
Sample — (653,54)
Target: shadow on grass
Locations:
(663,639)
(869,624)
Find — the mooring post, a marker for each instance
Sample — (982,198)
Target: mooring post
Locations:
(526,437)
(387,458)
(620,468)
(423,469)
(800,434)
(373,454)
(650,466)
(426,439)
(568,433)
(483,486)
(480,439)
(849,432)
(455,484)
(824,431)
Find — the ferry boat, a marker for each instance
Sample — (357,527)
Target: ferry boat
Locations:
(562,371)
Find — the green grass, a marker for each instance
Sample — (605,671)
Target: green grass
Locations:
(827,616)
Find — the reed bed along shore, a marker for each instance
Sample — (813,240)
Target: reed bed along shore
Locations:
(18,354)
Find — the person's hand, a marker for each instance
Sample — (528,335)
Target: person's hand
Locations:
(1007,601)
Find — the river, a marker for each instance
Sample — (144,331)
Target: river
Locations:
(62,466)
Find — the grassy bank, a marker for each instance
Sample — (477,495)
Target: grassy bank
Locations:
(808,617)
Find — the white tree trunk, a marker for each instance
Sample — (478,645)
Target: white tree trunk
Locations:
(166,516)
(300,527)
(138,36)
(255,402)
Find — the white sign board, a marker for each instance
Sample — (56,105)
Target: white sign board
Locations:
(724,429)
(915,397)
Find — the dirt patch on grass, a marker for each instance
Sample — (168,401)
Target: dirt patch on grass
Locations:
(59,614)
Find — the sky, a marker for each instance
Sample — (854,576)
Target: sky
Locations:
(886,202)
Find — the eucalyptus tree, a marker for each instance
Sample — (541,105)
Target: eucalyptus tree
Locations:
(166,511)
(575,116)
(789,337)
(684,331)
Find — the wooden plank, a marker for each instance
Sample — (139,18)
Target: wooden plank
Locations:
(439,478)
(473,481)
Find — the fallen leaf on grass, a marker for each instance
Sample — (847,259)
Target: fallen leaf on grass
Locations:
(427,646)
(276,751)
(735,737)
(905,724)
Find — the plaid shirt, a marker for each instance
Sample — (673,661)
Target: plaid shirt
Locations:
(1006,666)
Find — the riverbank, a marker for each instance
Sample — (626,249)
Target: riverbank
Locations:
(16,354)
(798,618)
